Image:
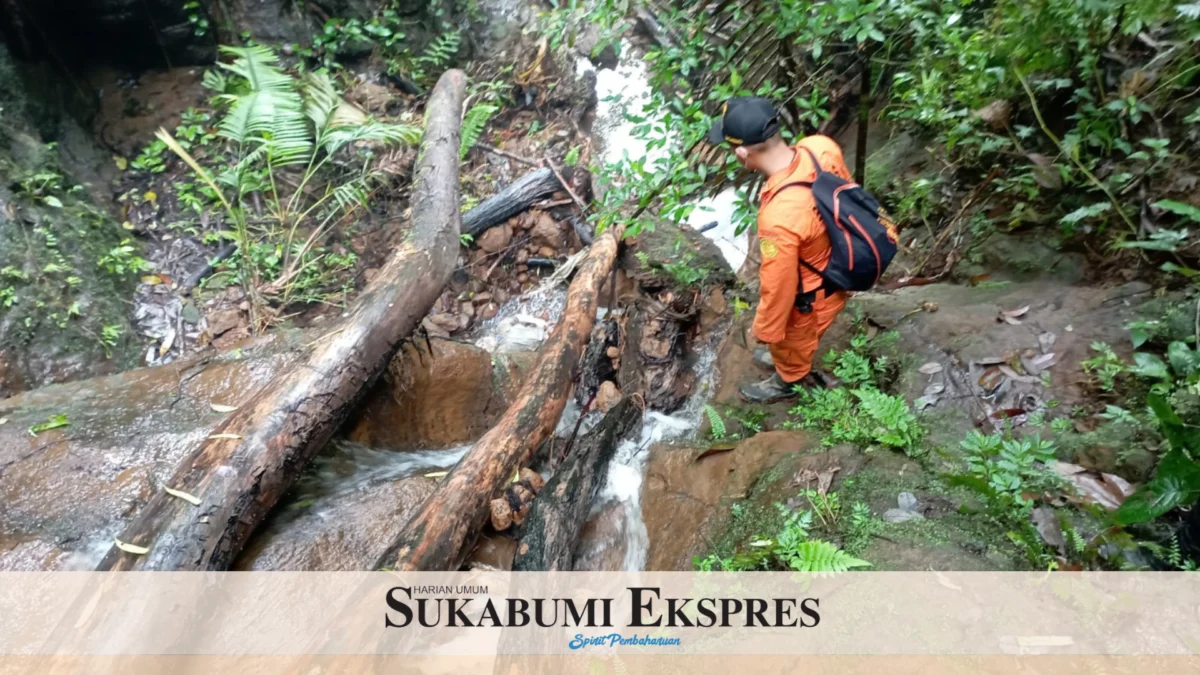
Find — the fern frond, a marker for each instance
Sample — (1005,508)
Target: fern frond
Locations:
(715,421)
(822,556)
(270,112)
(472,126)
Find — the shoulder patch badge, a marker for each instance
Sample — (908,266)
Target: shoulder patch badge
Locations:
(769,248)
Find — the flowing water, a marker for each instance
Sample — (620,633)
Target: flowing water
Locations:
(346,470)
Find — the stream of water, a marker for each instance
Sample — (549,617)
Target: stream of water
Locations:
(521,325)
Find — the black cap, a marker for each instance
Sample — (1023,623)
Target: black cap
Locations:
(746,120)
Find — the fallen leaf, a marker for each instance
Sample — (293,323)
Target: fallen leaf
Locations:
(978,279)
(872,331)
(130,548)
(121,162)
(1013,316)
(1046,521)
(822,479)
(931,368)
(221,408)
(228,436)
(991,379)
(1106,489)
(989,361)
(3,421)
(127,225)
(151,196)
(760,543)
(1008,413)
(1069,329)
(516,476)
(1013,375)
(166,343)
(437,474)
(52,422)
(151,279)
(929,306)
(51,200)
(191,499)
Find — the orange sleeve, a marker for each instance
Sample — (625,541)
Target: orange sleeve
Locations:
(778,277)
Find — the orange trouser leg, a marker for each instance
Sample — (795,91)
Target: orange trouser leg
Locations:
(794,354)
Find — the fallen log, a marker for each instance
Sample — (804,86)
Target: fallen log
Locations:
(514,199)
(240,472)
(440,535)
(552,528)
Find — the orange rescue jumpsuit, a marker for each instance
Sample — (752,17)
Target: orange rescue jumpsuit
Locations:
(789,228)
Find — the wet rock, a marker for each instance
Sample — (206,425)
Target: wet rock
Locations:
(713,309)
(607,396)
(495,239)
(494,554)
(685,502)
(522,278)
(438,399)
(901,515)
(522,257)
(371,97)
(548,252)
(482,298)
(602,541)
(468,309)
(224,321)
(546,233)
(369,274)
(67,491)
(489,311)
(995,114)
(907,501)
(442,325)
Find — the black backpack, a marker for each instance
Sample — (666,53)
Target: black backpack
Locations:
(861,248)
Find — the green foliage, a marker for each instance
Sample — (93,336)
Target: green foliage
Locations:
(820,556)
(1106,366)
(790,549)
(56,421)
(1177,480)
(472,125)
(1005,471)
(715,423)
(271,120)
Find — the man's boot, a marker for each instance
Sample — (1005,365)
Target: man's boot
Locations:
(763,358)
(770,390)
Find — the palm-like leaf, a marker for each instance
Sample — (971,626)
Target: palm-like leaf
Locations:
(270,111)
(822,556)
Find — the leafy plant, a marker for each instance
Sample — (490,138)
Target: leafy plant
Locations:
(716,424)
(1177,479)
(472,125)
(1106,366)
(820,556)
(271,122)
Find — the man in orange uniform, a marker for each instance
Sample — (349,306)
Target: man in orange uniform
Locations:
(789,229)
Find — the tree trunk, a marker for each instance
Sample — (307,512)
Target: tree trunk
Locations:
(512,200)
(552,528)
(440,535)
(239,472)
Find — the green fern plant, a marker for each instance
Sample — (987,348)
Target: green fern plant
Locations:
(716,424)
(472,126)
(273,120)
(821,556)
(437,56)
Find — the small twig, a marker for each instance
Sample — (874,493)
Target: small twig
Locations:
(566,186)
(951,226)
(1198,321)
(1037,112)
(505,153)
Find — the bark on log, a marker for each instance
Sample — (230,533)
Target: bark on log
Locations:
(597,365)
(239,472)
(440,535)
(514,199)
(552,528)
